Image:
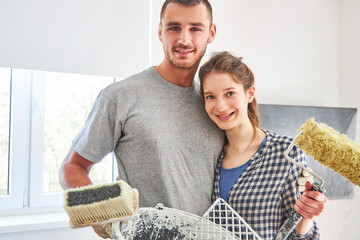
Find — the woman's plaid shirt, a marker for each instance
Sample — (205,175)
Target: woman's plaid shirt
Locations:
(266,192)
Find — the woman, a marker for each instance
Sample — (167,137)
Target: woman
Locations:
(252,174)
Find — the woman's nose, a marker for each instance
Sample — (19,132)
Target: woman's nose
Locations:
(221,105)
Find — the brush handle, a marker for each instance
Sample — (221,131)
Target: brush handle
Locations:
(294,218)
(289,225)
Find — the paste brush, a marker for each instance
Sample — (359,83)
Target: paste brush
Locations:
(101,204)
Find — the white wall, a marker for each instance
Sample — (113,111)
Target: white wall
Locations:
(302,53)
(340,219)
(109,38)
(349,52)
(290,45)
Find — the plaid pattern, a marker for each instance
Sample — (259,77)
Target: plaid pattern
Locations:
(266,192)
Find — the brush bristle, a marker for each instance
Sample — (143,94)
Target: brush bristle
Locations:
(331,149)
(98,203)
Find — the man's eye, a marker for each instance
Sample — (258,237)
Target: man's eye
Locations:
(173,28)
(195,29)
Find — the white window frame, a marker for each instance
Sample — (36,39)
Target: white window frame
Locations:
(26,146)
(19,139)
(37,197)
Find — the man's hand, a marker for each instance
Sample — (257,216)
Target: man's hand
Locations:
(104,231)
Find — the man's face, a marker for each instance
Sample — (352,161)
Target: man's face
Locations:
(185,33)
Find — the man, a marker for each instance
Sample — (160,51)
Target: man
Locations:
(165,144)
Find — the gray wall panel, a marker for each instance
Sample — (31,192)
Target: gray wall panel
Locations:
(286,120)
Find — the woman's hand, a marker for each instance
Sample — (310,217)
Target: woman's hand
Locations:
(311,203)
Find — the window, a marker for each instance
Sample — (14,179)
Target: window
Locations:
(68,100)
(5,77)
(44,113)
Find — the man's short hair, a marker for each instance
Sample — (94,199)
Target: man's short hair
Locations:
(188,3)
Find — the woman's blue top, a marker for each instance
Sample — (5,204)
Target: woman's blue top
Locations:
(228,177)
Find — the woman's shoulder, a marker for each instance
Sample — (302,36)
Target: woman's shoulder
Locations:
(278,139)
(280,143)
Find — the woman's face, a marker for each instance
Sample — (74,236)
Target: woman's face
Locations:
(226,101)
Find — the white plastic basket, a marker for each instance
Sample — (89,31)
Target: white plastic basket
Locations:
(220,222)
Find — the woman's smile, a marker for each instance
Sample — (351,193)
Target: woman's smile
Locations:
(224,117)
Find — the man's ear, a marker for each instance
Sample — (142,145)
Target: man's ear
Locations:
(212,33)
(159,33)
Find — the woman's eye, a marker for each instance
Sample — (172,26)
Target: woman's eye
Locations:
(209,97)
(230,93)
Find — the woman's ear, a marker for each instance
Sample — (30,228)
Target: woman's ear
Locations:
(251,93)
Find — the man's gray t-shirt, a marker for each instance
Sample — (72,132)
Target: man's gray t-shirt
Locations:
(165,144)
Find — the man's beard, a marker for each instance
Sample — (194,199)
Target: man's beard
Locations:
(186,65)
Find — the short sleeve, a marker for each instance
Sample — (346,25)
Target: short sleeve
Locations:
(97,138)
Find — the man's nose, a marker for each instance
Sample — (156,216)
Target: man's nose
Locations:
(184,38)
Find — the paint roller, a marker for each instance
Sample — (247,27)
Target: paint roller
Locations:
(333,150)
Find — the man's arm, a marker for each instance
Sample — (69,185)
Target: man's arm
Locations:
(74,170)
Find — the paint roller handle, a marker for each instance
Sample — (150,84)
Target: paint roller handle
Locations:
(317,187)
(286,155)
(289,225)
(294,218)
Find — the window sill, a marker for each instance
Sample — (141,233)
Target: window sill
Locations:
(33,222)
